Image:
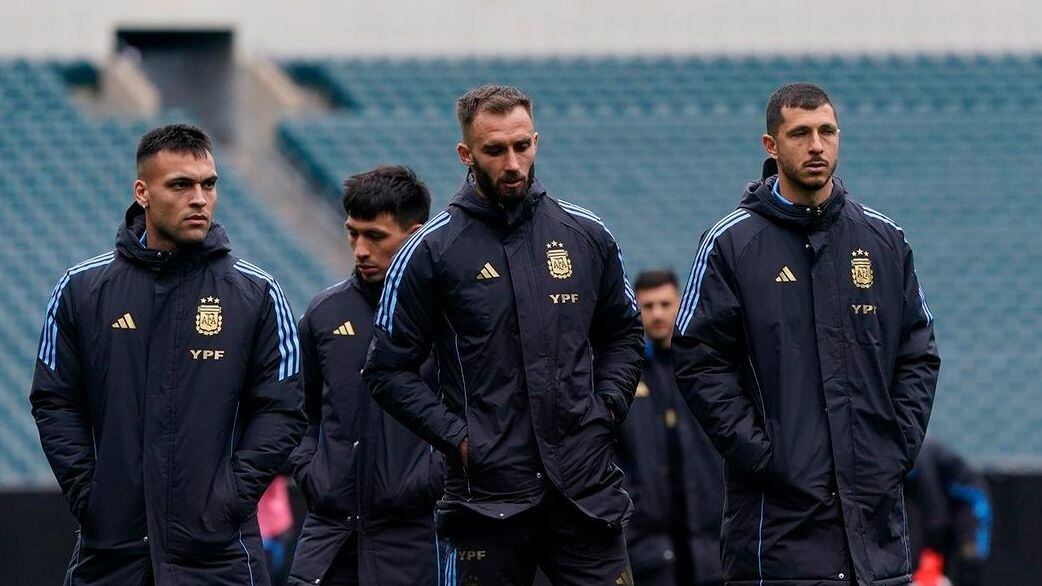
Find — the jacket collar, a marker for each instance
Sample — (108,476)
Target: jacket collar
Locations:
(369,291)
(759,197)
(130,236)
(468,199)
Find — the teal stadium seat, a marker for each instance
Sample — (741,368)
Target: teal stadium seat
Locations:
(661,147)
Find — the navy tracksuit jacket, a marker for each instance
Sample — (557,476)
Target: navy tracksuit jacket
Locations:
(676,480)
(805,347)
(361,472)
(166,397)
(537,334)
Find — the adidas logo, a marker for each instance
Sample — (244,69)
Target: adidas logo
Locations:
(125,323)
(487,272)
(785,276)
(345,329)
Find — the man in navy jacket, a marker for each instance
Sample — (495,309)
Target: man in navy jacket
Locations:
(166,390)
(805,347)
(538,336)
(369,482)
(673,472)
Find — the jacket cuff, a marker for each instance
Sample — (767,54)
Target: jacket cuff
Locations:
(449,444)
(617,404)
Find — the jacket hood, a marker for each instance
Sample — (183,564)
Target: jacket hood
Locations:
(759,198)
(130,233)
(468,199)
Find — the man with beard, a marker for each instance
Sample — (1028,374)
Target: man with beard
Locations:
(805,347)
(166,389)
(536,329)
(370,484)
(673,473)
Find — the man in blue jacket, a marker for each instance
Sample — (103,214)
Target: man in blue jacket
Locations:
(673,472)
(369,482)
(538,336)
(166,390)
(805,347)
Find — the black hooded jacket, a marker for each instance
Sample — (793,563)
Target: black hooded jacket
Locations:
(805,347)
(540,346)
(675,477)
(166,397)
(359,469)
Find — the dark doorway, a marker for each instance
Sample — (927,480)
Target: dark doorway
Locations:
(193,71)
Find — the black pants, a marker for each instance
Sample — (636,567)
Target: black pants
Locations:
(344,569)
(554,536)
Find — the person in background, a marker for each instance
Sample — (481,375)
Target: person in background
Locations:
(949,517)
(275,517)
(673,473)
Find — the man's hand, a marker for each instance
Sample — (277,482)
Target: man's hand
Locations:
(464,452)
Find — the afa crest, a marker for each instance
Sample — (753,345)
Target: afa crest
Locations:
(557,260)
(861,269)
(208,320)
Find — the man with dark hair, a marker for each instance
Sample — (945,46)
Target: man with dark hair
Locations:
(370,483)
(805,348)
(673,473)
(525,301)
(166,390)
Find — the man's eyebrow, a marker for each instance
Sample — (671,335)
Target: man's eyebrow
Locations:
(190,179)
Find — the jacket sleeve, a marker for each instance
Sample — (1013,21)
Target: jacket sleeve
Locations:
(59,404)
(617,336)
(403,338)
(917,365)
(709,351)
(271,401)
(313,382)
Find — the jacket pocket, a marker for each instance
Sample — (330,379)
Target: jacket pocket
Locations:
(221,515)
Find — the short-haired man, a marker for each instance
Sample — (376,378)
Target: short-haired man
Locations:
(805,348)
(673,473)
(539,341)
(370,483)
(166,390)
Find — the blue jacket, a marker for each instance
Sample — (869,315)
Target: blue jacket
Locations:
(805,347)
(359,470)
(166,397)
(540,344)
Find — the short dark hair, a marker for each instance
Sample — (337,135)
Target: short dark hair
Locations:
(805,96)
(388,189)
(496,99)
(179,138)
(655,278)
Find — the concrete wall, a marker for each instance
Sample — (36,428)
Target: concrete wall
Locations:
(73,28)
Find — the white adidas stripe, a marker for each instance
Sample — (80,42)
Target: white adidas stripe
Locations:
(700,264)
(49,335)
(286,328)
(575,210)
(883,218)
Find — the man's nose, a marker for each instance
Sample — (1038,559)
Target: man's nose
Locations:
(198,200)
(816,144)
(512,162)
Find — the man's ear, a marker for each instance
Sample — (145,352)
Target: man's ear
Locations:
(412,229)
(465,156)
(770,144)
(141,193)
